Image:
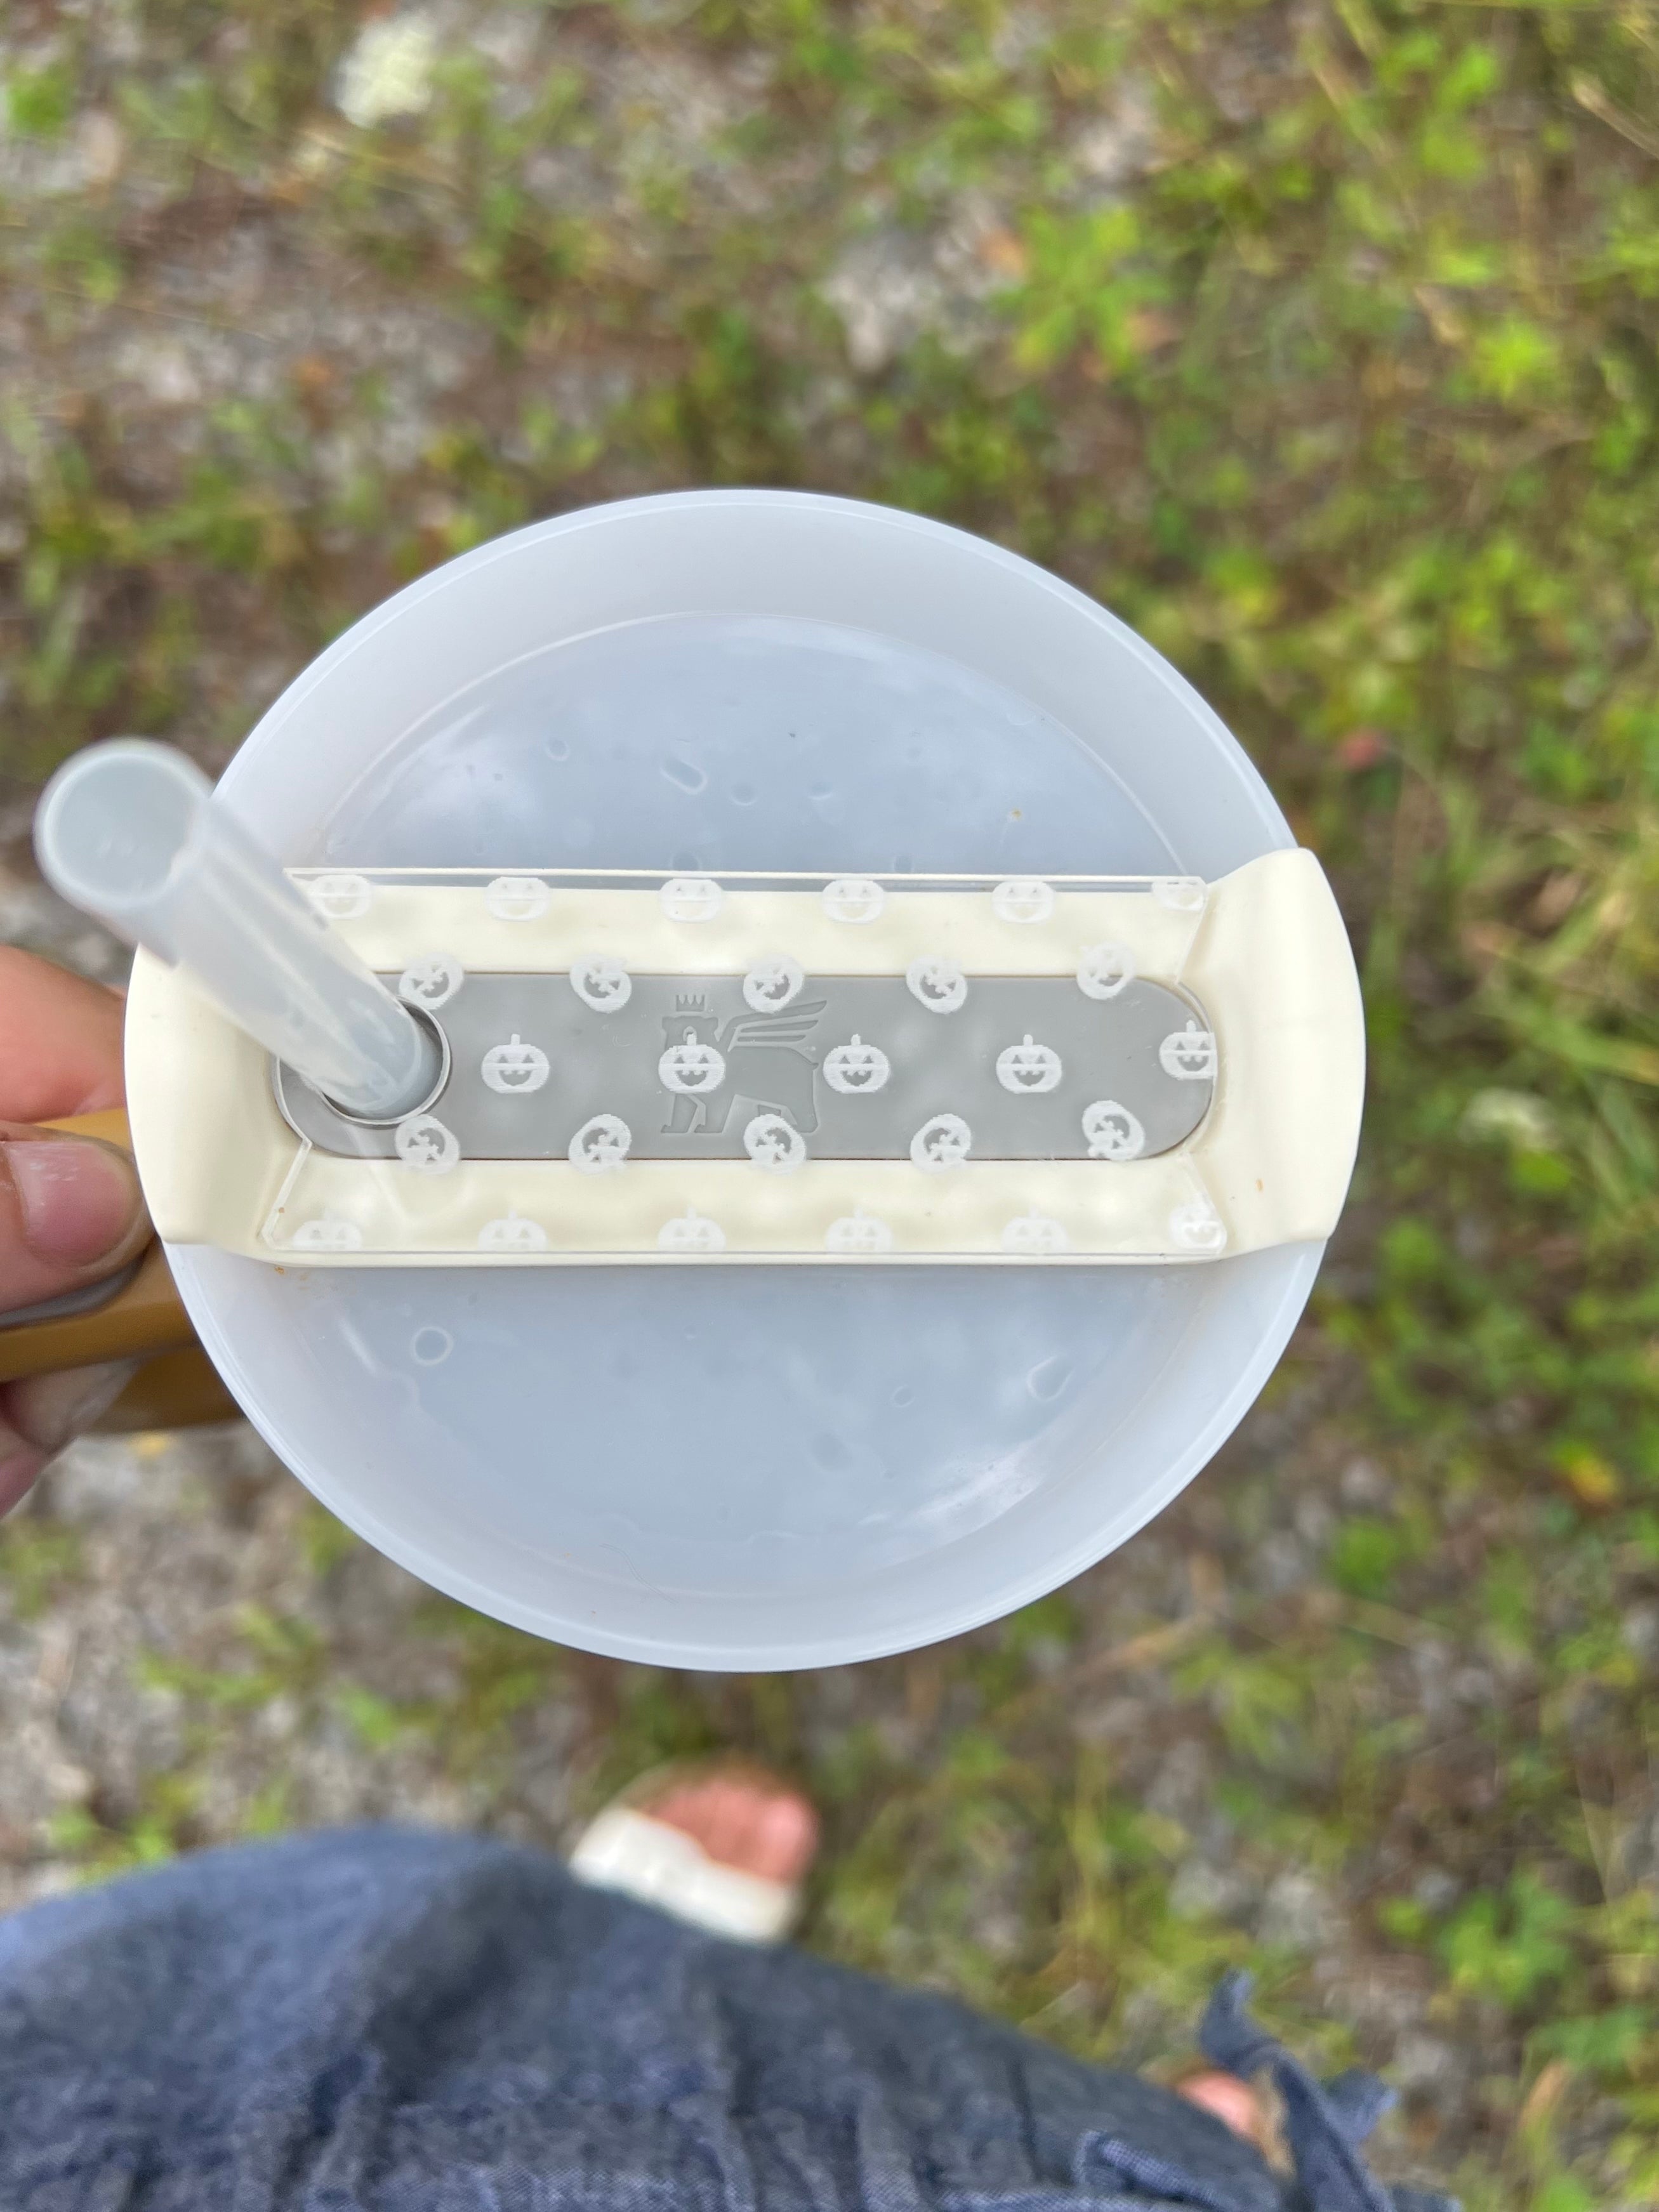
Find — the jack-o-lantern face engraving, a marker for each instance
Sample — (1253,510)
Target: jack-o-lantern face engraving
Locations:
(944,1142)
(600,1144)
(421,1142)
(1023,899)
(1028,1069)
(1180,894)
(938,985)
(856,1067)
(691,1067)
(1112,1132)
(327,1232)
(1196,1226)
(515,1067)
(853,898)
(691,1232)
(772,1144)
(1104,970)
(601,982)
(513,1233)
(773,983)
(340,898)
(431,982)
(858,1231)
(517,899)
(1033,1235)
(1190,1054)
(690,898)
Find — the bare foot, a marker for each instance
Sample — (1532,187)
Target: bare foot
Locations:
(1231,2100)
(743,1817)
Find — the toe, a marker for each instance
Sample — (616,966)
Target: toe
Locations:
(749,1822)
(1230,2100)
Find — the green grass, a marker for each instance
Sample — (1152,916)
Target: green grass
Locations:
(1348,397)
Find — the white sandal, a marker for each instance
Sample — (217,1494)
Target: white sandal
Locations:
(626,1849)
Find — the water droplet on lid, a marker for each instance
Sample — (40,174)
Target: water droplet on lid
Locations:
(557,749)
(429,1347)
(685,774)
(1048,1378)
(743,794)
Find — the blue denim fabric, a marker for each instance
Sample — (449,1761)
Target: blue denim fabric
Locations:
(383,2020)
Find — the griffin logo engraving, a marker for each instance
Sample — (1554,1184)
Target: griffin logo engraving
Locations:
(764,1059)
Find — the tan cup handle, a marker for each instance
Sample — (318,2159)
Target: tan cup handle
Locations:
(176,1386)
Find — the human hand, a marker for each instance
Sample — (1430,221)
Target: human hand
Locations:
(70,1209)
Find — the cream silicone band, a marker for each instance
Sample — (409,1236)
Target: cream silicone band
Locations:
(1262,952)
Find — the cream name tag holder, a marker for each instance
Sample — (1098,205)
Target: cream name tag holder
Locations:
(696,1069)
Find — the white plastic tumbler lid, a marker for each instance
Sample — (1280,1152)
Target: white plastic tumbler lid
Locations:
(752,1467)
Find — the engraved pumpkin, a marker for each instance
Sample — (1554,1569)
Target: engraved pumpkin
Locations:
(944,1142)
(938,984)
(432,982)
(856,1067)
(517,899)
(513,1233)
(1031,1235)
(515,1067)
(690,898)
(1189,1055)
(1112,1132)
(601,982)
(858,1231)
(772,1144)
(853,898)
(1104,970)
(600,1144)
(327,1232)
(773,983)
(421,1142)
(1023,899)
(1028,1068)
(691,1068)
(340,898)
(1196,1226)
(691,1232)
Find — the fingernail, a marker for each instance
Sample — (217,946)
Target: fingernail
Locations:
(76,1200)
(50,1409)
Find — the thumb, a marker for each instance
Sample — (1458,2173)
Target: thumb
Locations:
(71,1212)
